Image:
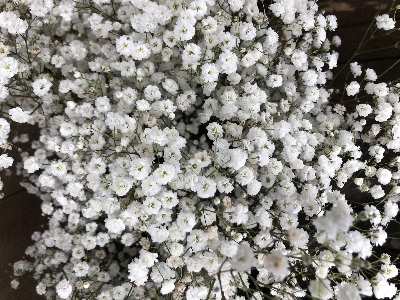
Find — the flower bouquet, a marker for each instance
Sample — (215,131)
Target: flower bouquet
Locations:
(196,150)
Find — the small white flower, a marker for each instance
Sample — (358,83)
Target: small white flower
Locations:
(142,105)
(376,191)
(205,187)
(244,258)
(364,109)
(64,289)
(6,161)
(121,185)
(164,174)
(114,225)
(347,291)
(8,67)
(209,73)
(370,75)
(18,115)
(274,81)
(14,283)
(355,69)
(31,165)
(353,88)
(168,286)
(385,22)
(321,289)
(384,176)
(277,264)
(41,86)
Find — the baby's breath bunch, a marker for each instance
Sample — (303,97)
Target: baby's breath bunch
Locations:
(191,150)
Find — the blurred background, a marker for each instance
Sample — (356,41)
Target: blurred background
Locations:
(20,213)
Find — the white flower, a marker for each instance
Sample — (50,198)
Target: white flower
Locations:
(205,187)
(147,259)
(150,186)
(321,289)
(364,286)
(196,293)
(299,59)
(209,73)
(197,240)
(176,249)
(370,75)
(31,165)
(240,215)
(114,225)
(297,237)
(164,174)
(381,89)
(151,205)
(244,176)
(140,168)
(137,273)
(364,109)
(81,269)
(277,264)
(391,209)
(142,105)
(227,62)
(382,288)
(4,92)
(347,291)
(186,221)
(6,161)
(310,77)
(355,69)
(18,26)
(209,25)
(385,22)
(253,188)
(151,92)
(183,30)
(121,185)
(141,51)
(208,216)
(332,59)
(384,176)
(236,5)
(18,115)
(247,31)
(8,67)
(64,289)
(168,286)
(224,185)
(119,293)
(214,131)
(228,248)
(191,55)
(14,283)
(353,88)
(169,199)
(335,220)
(170,86)
(4,130)
(274,81)
(376,191)
(41,86)
(244,258)
(389,271)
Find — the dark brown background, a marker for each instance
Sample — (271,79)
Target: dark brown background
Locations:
(20,213)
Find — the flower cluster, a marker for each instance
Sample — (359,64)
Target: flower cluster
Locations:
(192,150)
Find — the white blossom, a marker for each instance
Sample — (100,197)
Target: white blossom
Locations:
(64,289)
